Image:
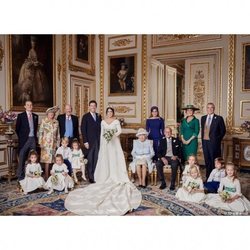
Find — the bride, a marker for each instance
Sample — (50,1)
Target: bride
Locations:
(113,193)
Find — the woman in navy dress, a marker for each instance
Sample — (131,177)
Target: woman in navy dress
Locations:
(155,127)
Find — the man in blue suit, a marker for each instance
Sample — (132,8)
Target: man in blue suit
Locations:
(212,132)
(26,130)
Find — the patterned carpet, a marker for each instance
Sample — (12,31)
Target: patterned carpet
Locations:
(155,202)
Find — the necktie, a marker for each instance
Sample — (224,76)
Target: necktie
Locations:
(209,121)
(94,116)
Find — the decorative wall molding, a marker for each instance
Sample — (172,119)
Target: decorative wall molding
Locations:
(163,40)
(124,109)
(144,78)
(230,89)
(122,42)
(75,66)
(101,38)
(64,73)
(59,69)
(1,54)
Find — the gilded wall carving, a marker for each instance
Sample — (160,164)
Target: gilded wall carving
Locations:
(1,54)
(199,90)
(64,73)
(122,42)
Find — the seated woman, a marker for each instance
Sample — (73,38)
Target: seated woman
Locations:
(142,156)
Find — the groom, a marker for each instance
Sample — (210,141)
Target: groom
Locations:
(91,130)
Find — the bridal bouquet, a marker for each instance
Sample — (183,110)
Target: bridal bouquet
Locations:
(54,179)
(108,134)
(225,196)
(192,185)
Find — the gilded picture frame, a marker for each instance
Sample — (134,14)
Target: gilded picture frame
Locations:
(82,61)
(32,71)
(246,68)
(122,75)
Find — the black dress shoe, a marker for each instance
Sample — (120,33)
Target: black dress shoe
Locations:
(143,186)
(163,186)
(91,181)
(172,188)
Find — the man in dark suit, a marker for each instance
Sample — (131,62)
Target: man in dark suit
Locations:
(212,132)
(91,130)
(26,130)
(169,153)
(68,124)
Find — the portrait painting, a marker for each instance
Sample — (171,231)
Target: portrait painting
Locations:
(82,48)
(122,75)
(246,67)
(31,74)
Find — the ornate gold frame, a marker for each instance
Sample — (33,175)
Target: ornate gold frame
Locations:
(135,75)
(241,109)
(243,67)
(37,109)
(121,41)
(124,103)
(192,39)
(64,73)
(74,67)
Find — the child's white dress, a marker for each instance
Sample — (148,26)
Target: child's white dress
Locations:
(65,152)
(184,195)
(60,184)
(186,172)
(241,204)
(77,159)
(29,184)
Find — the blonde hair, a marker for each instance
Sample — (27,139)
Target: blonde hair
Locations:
(195,157)
(230,164)
(196,167)
(65,139)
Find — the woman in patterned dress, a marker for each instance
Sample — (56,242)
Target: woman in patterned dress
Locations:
(48,137)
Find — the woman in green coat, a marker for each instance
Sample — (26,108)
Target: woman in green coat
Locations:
(190,128)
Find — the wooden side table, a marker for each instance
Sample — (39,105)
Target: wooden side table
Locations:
(241,152)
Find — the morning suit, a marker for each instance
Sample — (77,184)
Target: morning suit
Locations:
(211,137)
(62,126)
(163,151)
(91,130)
(26,130)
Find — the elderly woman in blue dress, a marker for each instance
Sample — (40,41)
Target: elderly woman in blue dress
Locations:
(142,153)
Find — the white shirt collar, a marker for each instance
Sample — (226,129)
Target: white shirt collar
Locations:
(68,117)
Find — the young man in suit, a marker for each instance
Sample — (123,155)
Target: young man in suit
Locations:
(169,152)
(212,132)
(26,130)
(91,130)
(68,124)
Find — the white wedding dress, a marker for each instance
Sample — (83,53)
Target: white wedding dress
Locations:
(113,193)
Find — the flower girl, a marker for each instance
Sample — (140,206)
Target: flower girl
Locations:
(59,179)
(229,195)
(65,151)
(213,182)
(33,179)
(192,160)
(77,160)
(192,189)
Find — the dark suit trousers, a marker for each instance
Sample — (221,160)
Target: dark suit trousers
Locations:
(210,152)
(174,166)
(92,160)
(23,155)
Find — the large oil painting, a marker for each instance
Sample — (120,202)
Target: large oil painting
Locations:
(31,71)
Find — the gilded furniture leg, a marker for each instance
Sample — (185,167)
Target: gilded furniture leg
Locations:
(155,176)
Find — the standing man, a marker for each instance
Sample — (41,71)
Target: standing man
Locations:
(212,132)
(26,130)
(91,130)
(169,152)
(68,124)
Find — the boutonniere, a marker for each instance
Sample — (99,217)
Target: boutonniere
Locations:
(215,117)
(174,140)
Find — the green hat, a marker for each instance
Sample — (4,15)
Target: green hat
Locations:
(190,106)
